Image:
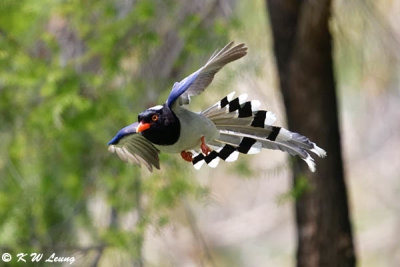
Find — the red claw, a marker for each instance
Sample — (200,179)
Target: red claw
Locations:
(204,148)
(188,156)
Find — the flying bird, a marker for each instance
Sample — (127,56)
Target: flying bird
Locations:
(222,131)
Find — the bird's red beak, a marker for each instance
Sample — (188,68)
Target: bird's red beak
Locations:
(142,126)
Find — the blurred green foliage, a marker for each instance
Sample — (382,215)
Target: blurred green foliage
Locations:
(72,74)
(301,186)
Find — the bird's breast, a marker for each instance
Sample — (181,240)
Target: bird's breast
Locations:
(193,127)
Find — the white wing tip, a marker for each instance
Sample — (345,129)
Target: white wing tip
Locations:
(198,165)
(254,149)
(232,157)
(111,148)
(310,162)
(319,151)
(270,118)
(255,105)
(284,135)
(230,96)
(243,98)
(214,163)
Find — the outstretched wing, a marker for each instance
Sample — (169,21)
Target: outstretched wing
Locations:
(195,83)
(133,147)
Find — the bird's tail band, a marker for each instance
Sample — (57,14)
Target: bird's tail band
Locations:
(246,129)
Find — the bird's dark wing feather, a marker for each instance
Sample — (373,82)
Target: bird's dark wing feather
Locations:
(195,83)
(133,147)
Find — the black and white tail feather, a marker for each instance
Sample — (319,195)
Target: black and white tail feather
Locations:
(246,129)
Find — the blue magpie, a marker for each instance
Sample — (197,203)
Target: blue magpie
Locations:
(222,131)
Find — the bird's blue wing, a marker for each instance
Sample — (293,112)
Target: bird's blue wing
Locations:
(133,147)
(130,129)
(180,87)
(195,83)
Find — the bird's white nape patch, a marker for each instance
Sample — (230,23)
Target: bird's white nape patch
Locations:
(111,148)
(255,105)
(270,118)
(310,162)
(255,148)
(232,157)
(242,98)
(158,107)
(214,162)
(319,151)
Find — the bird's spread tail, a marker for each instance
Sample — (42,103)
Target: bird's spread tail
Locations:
(246,129)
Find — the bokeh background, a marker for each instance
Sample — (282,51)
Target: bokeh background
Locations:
(72,73)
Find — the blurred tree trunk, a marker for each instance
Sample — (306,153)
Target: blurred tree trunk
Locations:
(303,50)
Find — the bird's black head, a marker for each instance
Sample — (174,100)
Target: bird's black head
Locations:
(159,125)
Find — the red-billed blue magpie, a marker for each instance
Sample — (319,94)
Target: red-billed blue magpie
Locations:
(222,131)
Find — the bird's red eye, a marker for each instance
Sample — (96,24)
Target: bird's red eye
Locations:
(154,117)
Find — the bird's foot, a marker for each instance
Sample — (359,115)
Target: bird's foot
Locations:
(204,148)
(188,156)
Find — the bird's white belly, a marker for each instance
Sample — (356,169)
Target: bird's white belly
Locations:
(193,127)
